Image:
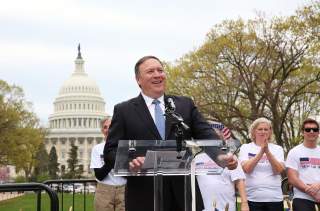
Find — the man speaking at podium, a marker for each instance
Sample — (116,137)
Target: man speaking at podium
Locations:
(141,118)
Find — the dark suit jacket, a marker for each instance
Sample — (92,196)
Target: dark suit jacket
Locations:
(133,121)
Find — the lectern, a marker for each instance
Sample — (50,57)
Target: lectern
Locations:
(163,158)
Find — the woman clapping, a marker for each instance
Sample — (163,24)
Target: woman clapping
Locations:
(262,162)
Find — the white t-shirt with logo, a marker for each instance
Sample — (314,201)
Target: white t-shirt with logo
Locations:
(97,162)
(262,184)
(217,188)
(306,162)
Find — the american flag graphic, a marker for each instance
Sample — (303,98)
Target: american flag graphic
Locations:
(225,131)
(310,160)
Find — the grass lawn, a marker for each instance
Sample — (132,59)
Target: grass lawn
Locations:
(28,202)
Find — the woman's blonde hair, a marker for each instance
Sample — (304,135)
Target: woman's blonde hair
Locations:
(102,121)
(255,124)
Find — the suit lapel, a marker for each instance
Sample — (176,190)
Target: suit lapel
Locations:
(145,116)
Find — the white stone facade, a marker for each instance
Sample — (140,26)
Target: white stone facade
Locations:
(78,110)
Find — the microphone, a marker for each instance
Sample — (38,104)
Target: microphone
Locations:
(171,104)
(177,122)
(171,113)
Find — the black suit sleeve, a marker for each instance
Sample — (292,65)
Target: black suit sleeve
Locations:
(200,127)
(101,173)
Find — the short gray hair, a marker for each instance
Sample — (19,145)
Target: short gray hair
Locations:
(141,60)
(255,124)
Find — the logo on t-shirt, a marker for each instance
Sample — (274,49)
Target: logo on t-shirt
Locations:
(308,162)
(207,165)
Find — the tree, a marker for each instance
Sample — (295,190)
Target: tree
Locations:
(20,132)
(11,104)
(246,70)
(63,171)
(53,163)
(26,160)
(41,169)
(74,169)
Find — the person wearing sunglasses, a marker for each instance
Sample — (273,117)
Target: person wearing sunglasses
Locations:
(303,168)
(263,162)
(109,195)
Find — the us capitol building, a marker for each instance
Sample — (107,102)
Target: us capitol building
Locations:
(78,109)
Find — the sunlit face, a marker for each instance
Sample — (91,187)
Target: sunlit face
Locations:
(262,132)
(152,78)
(105,128)
(310,133)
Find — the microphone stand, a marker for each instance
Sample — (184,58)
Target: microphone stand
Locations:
(180,127)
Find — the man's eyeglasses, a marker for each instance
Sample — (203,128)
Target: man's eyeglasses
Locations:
(308,130)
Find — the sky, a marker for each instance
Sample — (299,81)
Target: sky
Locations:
(39,39)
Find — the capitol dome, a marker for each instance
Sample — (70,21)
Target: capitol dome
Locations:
(78,110)
(79,97)
(79,82)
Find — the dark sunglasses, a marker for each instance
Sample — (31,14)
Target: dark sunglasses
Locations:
(308,130)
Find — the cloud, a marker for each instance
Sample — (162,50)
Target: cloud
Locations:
(39,39)
(70,13)
(30,52)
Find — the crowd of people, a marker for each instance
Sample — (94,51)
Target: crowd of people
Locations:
(256,173)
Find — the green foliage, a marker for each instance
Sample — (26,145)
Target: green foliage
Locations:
(42,162)
(53,165)
(10,108)
(63,172)
(260,67)
(20,179)
(19,128)
(42,177)
(74,169)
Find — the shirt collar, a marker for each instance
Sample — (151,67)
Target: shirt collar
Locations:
(149,100)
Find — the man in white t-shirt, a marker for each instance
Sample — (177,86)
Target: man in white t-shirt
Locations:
(303,168)
(109,194)
(218,189)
